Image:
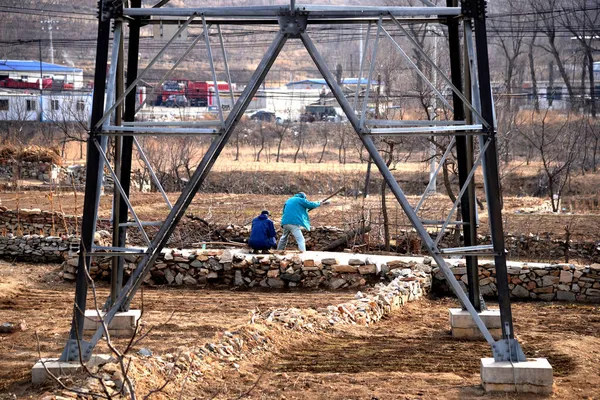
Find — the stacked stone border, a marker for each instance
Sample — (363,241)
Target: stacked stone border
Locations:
(528,281)
(276,271)
(547,282)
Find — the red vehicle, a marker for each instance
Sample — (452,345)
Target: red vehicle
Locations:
(197,93)
(47,84)
(20,84)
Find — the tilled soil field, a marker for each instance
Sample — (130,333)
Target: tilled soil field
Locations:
(521,215)
(410,355)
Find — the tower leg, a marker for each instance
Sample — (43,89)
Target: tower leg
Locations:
(94,172)
(464,153)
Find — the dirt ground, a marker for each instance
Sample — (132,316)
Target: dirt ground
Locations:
(407,356)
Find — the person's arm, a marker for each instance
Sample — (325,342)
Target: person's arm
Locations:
(310,204)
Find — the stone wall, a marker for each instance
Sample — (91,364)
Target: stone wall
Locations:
(542,249)
(9,169)
(531,281)
(68,176)
(193,232)
(35,222)
(36,248)
(238,268)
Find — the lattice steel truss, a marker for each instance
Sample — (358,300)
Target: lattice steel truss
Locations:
(114,111)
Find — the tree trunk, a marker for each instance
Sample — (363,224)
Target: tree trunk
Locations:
(591,79)
(237,147)
(384,210)
(323,150)
(594,153)
(344,240)
(447,182)
(562,70)
(386,220)
(300,140)
(262,146)
(534,86)
(279,148)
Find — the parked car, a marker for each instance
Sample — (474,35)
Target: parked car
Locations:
(266,116)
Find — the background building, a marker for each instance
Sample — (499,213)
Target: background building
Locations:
(31,71)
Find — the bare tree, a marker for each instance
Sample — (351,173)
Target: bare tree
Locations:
(299,137)
(532,72)
(280,131)
(261,138)
(582,19)
(556,139)
(70,115)
(323,131)
(547,22)
(512,47)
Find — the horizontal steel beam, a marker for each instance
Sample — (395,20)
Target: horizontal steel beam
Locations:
(274,11)
(471,254)
(426,129)
(440,222)
(135,130)
(466,249)
(390,122)
(195,124)
(128,250)
(114,254)
(144,223)
(313,20)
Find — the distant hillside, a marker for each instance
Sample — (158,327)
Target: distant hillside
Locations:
(23,35)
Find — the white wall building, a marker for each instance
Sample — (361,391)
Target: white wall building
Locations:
(289,103)
(58,107)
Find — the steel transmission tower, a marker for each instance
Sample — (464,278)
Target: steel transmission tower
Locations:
(114,114)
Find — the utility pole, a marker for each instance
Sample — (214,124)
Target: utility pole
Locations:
(368,176)
(433,115)
(41,81)
(50,28)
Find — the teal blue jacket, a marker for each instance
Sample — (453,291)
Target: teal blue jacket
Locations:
(295,211)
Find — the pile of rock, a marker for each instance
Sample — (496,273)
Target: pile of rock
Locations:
(43,171)
(35,248)
(238,268)
(409,285)
(532,281)
(35,222)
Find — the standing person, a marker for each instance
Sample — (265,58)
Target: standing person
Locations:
(295,218)
(262,234)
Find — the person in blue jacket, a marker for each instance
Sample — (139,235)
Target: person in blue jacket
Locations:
(262,234)
(295,218)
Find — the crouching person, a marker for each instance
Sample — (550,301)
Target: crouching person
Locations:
(262,235)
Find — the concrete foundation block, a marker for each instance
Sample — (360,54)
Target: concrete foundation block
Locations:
(463,326)
(531,376)
(122,325)
(39,374)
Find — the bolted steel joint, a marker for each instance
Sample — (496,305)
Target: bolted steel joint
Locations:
(110,9)
(293,25)
(474,8)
